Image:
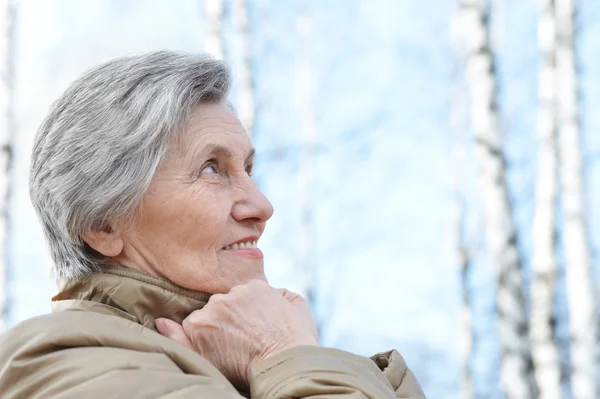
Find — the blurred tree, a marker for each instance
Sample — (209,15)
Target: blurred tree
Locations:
(542,322)
(579,281)
(245,78)
(7,19)
(214,11)
(516,372)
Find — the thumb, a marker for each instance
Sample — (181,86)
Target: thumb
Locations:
(174,331)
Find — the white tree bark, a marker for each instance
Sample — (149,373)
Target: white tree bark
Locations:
(213,13)
(245,83)
(545,352)
(516,369)
(582,308)
(466,321)
(6,134)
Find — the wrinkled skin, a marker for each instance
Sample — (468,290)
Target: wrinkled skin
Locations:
(249,324)
(201,201)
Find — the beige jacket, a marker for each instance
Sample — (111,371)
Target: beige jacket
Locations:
(100,342)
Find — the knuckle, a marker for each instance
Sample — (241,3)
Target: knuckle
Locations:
(251,286)
(221,301)
(195,318)
(296,296)
(237,289)
(256,283)
(259,285)
(216,298)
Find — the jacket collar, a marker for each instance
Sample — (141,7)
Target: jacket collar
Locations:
(130,294)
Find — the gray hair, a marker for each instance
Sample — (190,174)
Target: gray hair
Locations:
(97,150)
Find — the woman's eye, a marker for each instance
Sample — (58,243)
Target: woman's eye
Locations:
(209,170)
(249,169)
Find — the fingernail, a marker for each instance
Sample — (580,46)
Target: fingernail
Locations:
(161,326)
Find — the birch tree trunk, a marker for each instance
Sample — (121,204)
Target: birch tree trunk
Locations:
(6,134)
(466,324)
(545,352)
(245,77)
(580,294)
(214,11)
(516,369)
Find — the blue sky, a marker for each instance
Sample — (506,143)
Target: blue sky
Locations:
(382,69)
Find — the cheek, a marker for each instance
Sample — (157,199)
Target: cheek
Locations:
(206,218)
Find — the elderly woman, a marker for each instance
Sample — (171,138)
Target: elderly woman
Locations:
(141,176)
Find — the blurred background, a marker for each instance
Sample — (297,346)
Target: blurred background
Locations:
(434,168)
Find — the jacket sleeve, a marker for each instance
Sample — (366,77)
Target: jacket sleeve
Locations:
(302,372)
(315,372)
(401,378)
(101,372)
(71,357)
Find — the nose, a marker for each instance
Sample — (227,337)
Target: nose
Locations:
(251,204)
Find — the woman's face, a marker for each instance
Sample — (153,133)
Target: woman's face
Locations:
(202,216)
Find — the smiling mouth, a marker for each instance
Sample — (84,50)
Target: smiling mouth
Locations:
(241,245)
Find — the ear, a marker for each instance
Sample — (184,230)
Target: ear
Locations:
(108,242)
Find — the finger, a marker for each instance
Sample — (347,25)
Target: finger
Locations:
(301,304)
(296,300)
(292,297)
(174,331)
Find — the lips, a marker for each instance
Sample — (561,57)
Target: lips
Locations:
(246,247)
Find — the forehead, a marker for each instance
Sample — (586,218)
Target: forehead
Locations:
(212,125)
(207,114)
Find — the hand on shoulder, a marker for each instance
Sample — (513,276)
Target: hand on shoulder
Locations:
(250,323)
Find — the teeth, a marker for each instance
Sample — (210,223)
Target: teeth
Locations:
(241,245)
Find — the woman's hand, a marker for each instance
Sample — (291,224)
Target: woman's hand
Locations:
(250,323)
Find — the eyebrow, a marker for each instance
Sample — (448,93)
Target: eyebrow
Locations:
(216,149)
